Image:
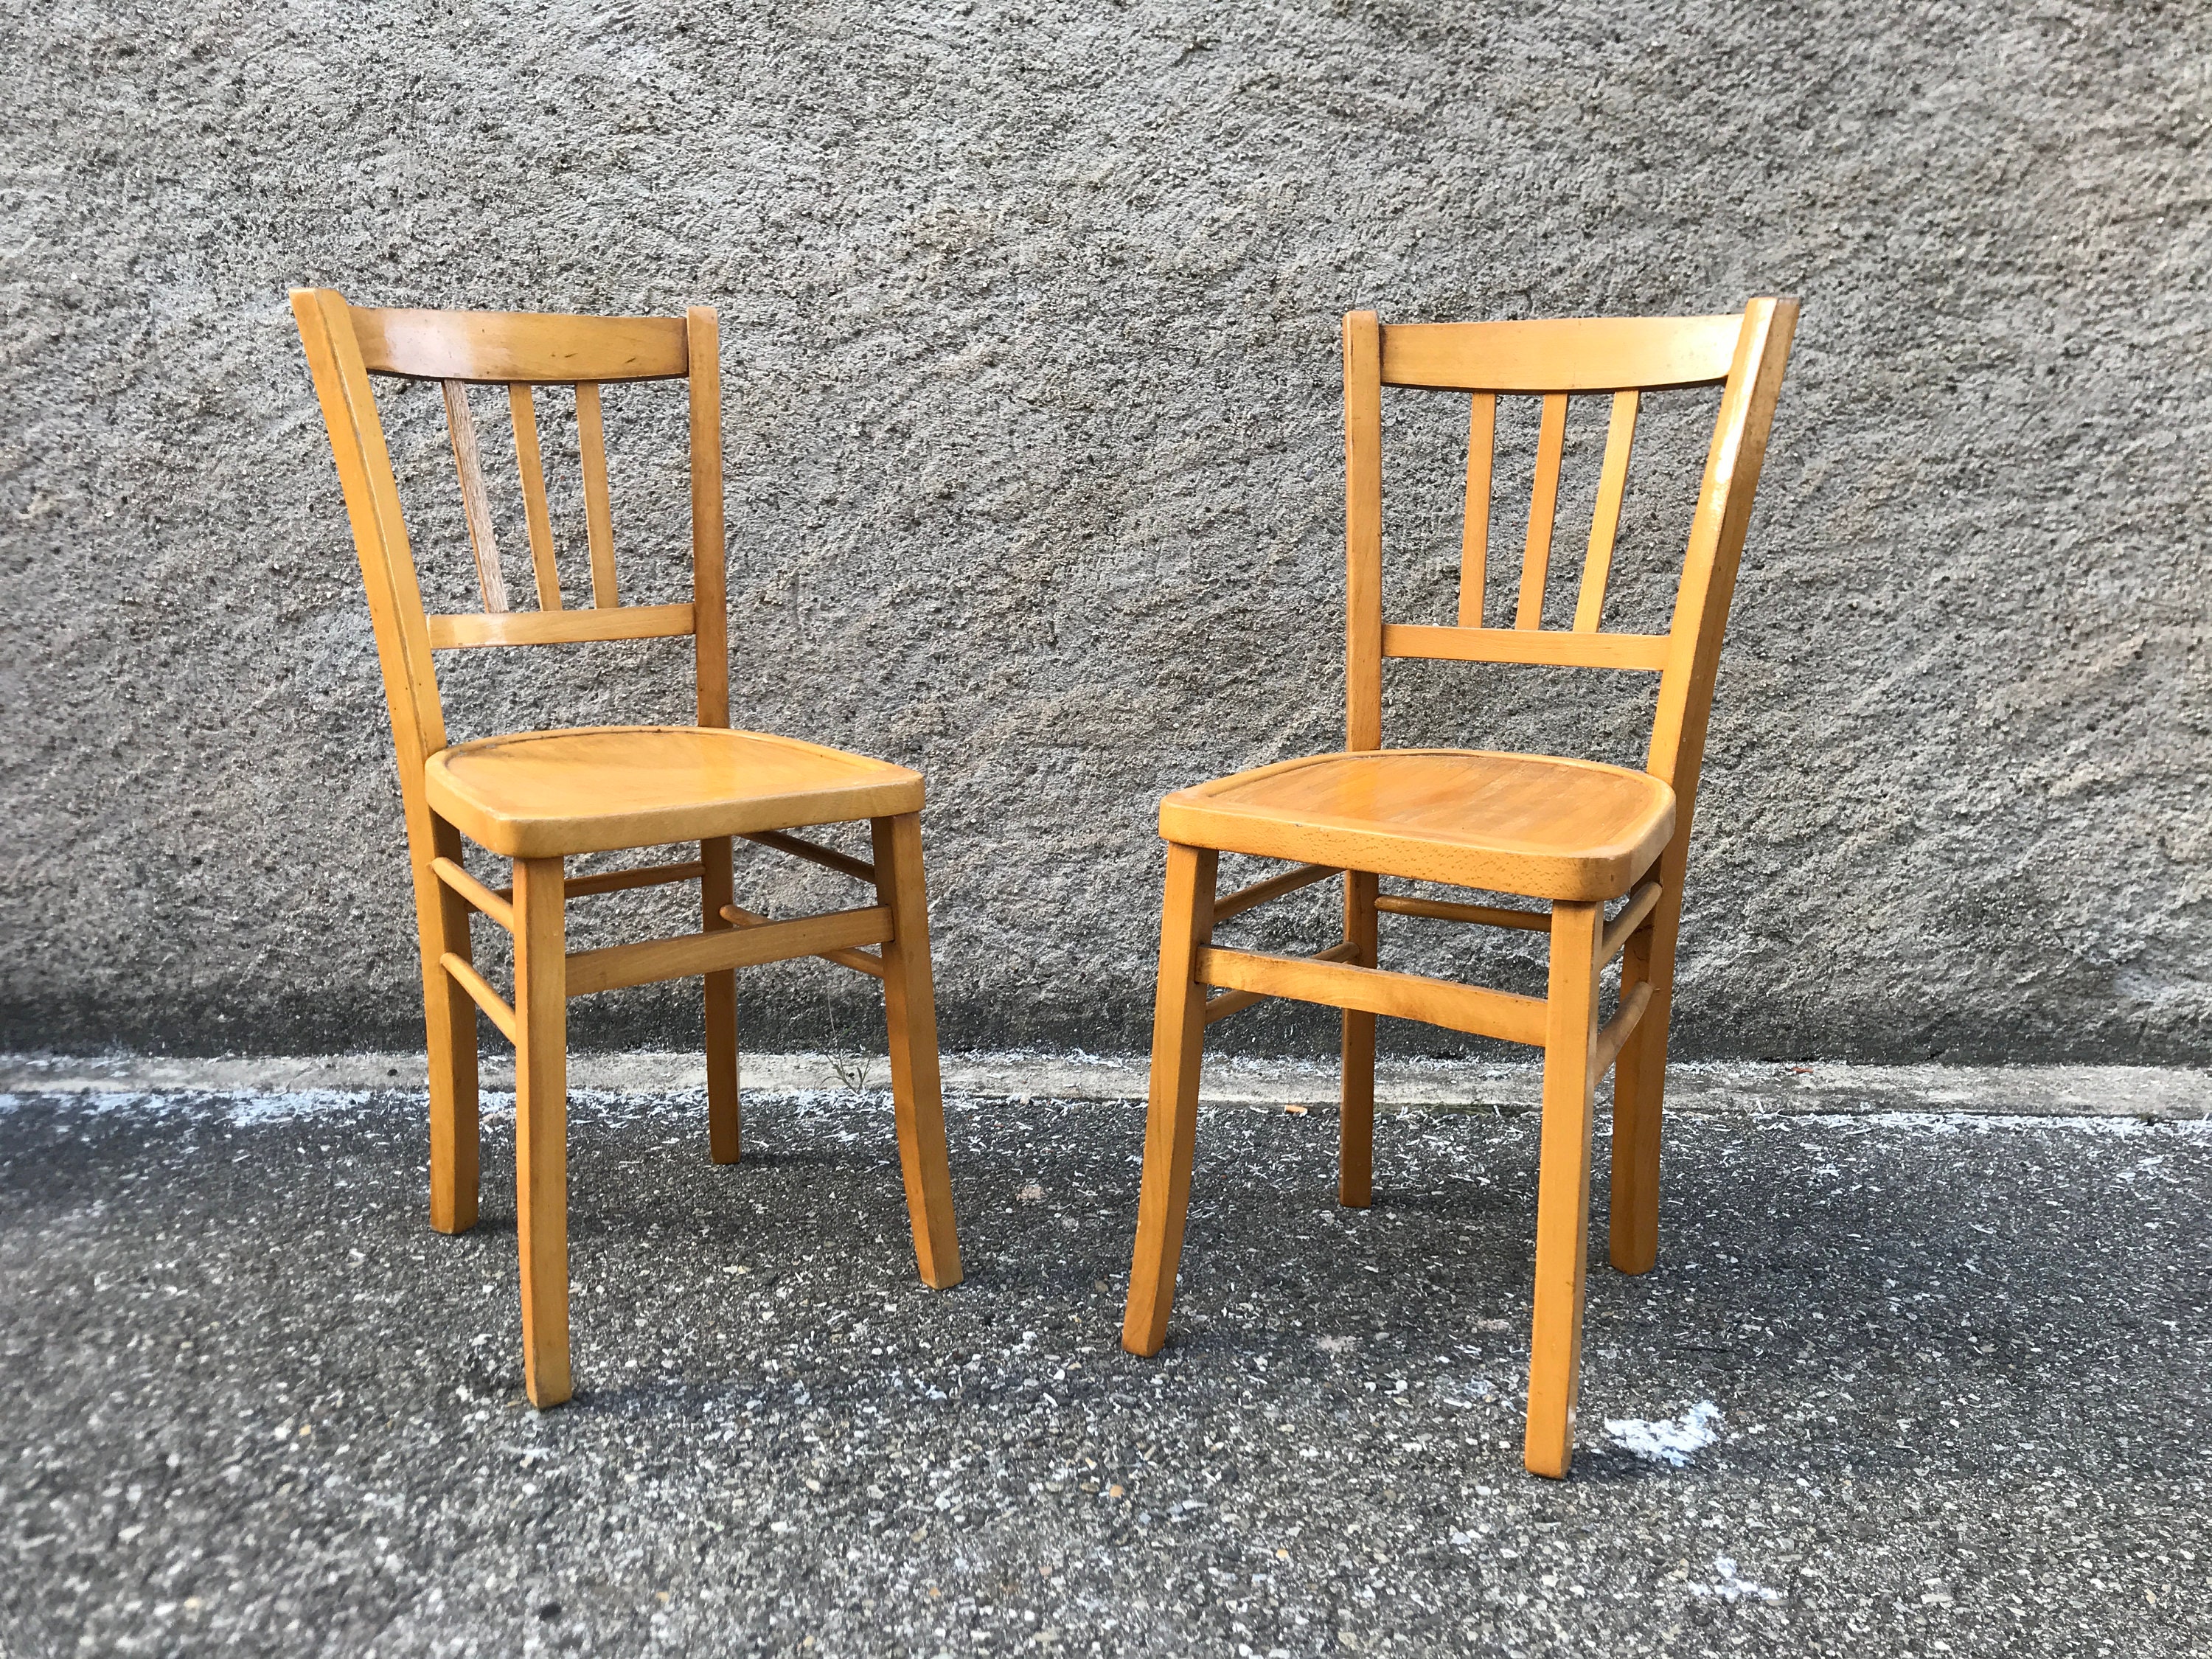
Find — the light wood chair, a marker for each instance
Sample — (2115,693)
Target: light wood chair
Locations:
(538,798)
(1573,832)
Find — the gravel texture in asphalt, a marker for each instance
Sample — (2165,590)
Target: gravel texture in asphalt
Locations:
(1900,1384)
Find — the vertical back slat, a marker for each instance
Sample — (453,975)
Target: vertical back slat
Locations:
(1604,521)
(1475,540)
(598,511)
(1543,508)
(1363,531)
(475,501)
(531,465)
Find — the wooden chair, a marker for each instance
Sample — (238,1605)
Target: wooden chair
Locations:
(537,797)
(1572,833)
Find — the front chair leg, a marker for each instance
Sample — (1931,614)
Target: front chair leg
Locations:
(910,1016)
(1563,1187)
(1171,1116)
(541,1127)
(715,890)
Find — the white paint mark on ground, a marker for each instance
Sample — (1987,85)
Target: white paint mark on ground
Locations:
(1672,1440)
(1727,1586)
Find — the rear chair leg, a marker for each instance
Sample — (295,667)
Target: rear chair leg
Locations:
(715,890)
(541,1127)
(1171,1116)
(910,1016)
(450,1034)
(1355,1156)
(1563,1187)
(1640,1086)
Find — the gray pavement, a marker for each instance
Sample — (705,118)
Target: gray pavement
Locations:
(1903,1383)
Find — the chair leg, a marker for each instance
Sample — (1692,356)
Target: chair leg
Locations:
(1171,1116)
(1563,1187)
(1355,1154)
(715,890)
(1640,1086)
(449,1022)
(541,1127)
(910,1016)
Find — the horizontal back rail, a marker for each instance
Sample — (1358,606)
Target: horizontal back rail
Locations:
(1549,647)
(1574,354)
(614,622)
(527,346)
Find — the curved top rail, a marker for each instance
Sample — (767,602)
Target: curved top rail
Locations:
(521,346)
(1577,354)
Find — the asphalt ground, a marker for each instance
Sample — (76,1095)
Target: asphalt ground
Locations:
(1901,1384)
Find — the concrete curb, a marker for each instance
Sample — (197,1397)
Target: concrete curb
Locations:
(2168,1094)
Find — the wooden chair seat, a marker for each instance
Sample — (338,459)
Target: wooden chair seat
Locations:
(602,788)
(1536,825)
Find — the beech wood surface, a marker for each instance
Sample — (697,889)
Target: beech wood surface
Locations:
(1555,1343)
(910,1020)
(538,796)
(814,852)
(1532,824)
(865,961)
(541,1129)
(1563,355)
(476,500)
(536,347)
(1236,1002)
(495,905)
(460,631)
(1648,651)
(1575,833)
(598,506)
(1543,513)
(1487,915)
(1474,537)
(1171,1109)
(604,789)
(1261,892)
(612,967)
(530,463)
(496,1008)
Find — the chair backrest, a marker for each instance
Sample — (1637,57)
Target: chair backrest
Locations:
(347,345)
(1622,357)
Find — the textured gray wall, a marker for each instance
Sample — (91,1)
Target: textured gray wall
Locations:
(1030,324)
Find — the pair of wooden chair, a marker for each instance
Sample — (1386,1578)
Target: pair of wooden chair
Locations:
(1577,835)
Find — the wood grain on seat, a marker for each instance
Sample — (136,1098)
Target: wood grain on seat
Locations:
(1532,824)
(599,789)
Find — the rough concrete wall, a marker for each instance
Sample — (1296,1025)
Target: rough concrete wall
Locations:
(1030,321)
